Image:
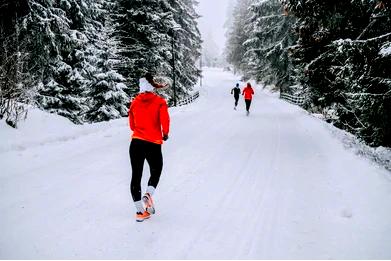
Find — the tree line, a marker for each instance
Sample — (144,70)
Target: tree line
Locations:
(336,53)
(82,58)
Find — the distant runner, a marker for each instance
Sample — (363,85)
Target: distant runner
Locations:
(248,93)
(236,92)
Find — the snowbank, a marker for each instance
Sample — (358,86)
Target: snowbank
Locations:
(42,128)
(380,155)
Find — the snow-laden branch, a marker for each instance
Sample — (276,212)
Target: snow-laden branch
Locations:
(357,118)
(367,94)
(373,39)
(270,16)
(366,29)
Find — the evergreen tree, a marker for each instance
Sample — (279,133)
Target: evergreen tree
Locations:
(147,32)
(270,35)
(78,52)
(142,29)
(187,45)
(238,35)
(53,32)
(210,51)
(106,93)
(71,53)
(343,66)
(230,12)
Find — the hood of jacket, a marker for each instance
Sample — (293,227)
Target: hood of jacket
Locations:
(146,97)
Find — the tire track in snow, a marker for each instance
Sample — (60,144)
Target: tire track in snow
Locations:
(272,204)
(257,183)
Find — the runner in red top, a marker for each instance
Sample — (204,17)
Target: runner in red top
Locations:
(148,118)
(150,122)
(248,93)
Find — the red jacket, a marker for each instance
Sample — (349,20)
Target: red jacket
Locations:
(148,117)
(248,93)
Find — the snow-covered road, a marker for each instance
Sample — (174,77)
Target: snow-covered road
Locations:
(275,184)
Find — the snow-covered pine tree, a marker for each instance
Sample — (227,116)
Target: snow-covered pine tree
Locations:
(366,105)
(106,94)
(238,35)
(230,13)
(146,31)
(142,28)
(187,45)
(74,56)
(71,54)
(53,31)
(345,67)
(270,35)
(210,51)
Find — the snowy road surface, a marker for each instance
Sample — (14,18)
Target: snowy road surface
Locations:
(275,184)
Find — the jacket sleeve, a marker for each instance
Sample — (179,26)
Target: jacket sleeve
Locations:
(130,117)
(164,118)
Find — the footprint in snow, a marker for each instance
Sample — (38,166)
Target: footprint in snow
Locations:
(346,213)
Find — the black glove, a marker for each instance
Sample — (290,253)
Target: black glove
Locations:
(165,137)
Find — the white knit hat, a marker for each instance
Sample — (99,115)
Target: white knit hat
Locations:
(145,86)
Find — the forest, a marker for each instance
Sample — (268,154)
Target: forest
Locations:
(336,54)
(82,58)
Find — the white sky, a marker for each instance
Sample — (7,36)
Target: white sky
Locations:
(213,14)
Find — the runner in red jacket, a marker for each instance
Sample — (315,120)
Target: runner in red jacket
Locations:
(248,93)
(148,118)
(150,122)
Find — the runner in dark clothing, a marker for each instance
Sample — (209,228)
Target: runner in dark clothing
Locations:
(236,92)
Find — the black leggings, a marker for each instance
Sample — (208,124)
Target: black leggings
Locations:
(236,100)
(248,104)
(139,151)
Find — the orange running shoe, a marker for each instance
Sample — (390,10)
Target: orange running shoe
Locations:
(140,217)
(147,199)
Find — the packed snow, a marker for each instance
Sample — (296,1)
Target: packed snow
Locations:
(276,184)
